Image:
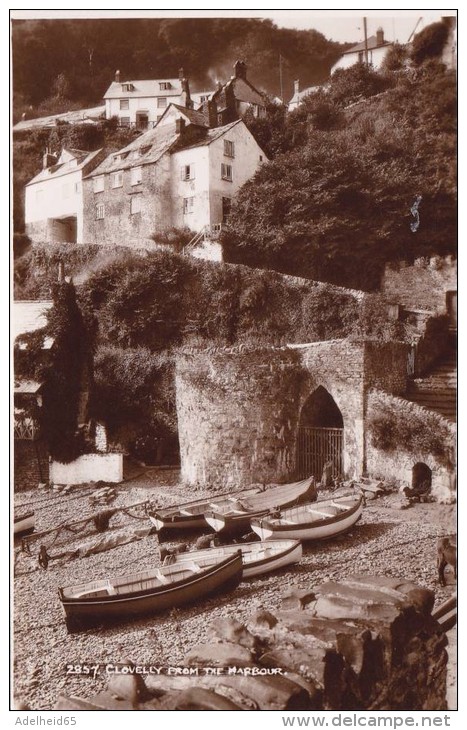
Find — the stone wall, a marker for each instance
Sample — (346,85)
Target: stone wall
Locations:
(88,468)
(31,464)
(239,412)
(422,285)
(369,643)
(237,416)
(409,420)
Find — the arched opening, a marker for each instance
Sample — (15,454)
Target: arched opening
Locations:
(320,436)
(421,477)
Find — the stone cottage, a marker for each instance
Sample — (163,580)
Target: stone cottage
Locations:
(54,197)
(182,173)
(237,96)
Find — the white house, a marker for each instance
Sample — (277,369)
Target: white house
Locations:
(54,197)
(142,103)
(181,174)
(376,50)
(299,95)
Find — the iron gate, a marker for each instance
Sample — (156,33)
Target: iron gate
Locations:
(315,447)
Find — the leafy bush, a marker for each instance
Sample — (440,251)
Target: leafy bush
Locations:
(396,426)
(429,43)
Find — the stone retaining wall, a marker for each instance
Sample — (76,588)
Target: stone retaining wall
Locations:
(422,285)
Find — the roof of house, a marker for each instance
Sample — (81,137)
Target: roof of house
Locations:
(29,316)
(148,148)
(298,97)
(144,88)
(193,116)
(80,159)
(27,387)
(242,89)
(372,43)
(206,137)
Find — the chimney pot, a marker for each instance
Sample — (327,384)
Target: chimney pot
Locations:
(219,85)
(117,76)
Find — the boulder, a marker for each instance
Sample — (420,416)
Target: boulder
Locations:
(225,654)
(231,630)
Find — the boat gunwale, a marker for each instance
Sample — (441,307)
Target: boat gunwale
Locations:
(274,523)
(149,592)
(256,563)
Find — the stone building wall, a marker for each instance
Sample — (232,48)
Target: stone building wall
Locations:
(385,366)
(397,463)
(119,226)
(422,285)
(31,464)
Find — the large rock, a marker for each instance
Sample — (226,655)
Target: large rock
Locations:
(296,598)
(225,654)
(231,630)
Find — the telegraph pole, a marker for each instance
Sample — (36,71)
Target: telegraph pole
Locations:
(280,75)
(366,42)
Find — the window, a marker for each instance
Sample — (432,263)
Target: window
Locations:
(226,172)
(100,211)
(125,121)
(187,172)
(124,103)
(116,179)
(261,158)
(135,204)
(161,102)
(360,57)
(127,87)
(188,205)
(165,85)
(229,148)
(136,175)
(219,118)
(144,150)
(98,184)
(202,98)
(226,208)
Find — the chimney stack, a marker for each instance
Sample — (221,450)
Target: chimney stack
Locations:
(240,70)
(209,110)
(185,97)
(219,85)
(117,76)
(179,125)
(380,37)
(48,159)
(181,74)
(296,85)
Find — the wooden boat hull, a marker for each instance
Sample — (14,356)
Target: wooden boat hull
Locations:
(190,516)
(258,557)
(321,529)
(24,524)
(81,613)
(237,521)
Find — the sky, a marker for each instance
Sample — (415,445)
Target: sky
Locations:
(345,25)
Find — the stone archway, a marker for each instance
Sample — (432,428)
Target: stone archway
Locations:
(320,436)
(421,473)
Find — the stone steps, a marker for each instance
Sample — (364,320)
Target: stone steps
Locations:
(438,390)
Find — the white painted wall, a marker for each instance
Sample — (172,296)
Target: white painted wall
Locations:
(376,57)
(88,468)
(198,188)
(144,104)
(60,196)
(244,165)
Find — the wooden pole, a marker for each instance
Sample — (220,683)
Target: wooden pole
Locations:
(366,42)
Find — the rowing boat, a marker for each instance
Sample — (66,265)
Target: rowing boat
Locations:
(258,557)
(24,523)
(190,516)
(233,519)
(148,592)
(314,521)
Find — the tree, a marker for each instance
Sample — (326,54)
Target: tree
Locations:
(429,43)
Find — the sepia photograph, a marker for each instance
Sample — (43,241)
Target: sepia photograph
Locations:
(233,483)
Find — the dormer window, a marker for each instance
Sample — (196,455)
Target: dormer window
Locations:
(128,87)
(165,85)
